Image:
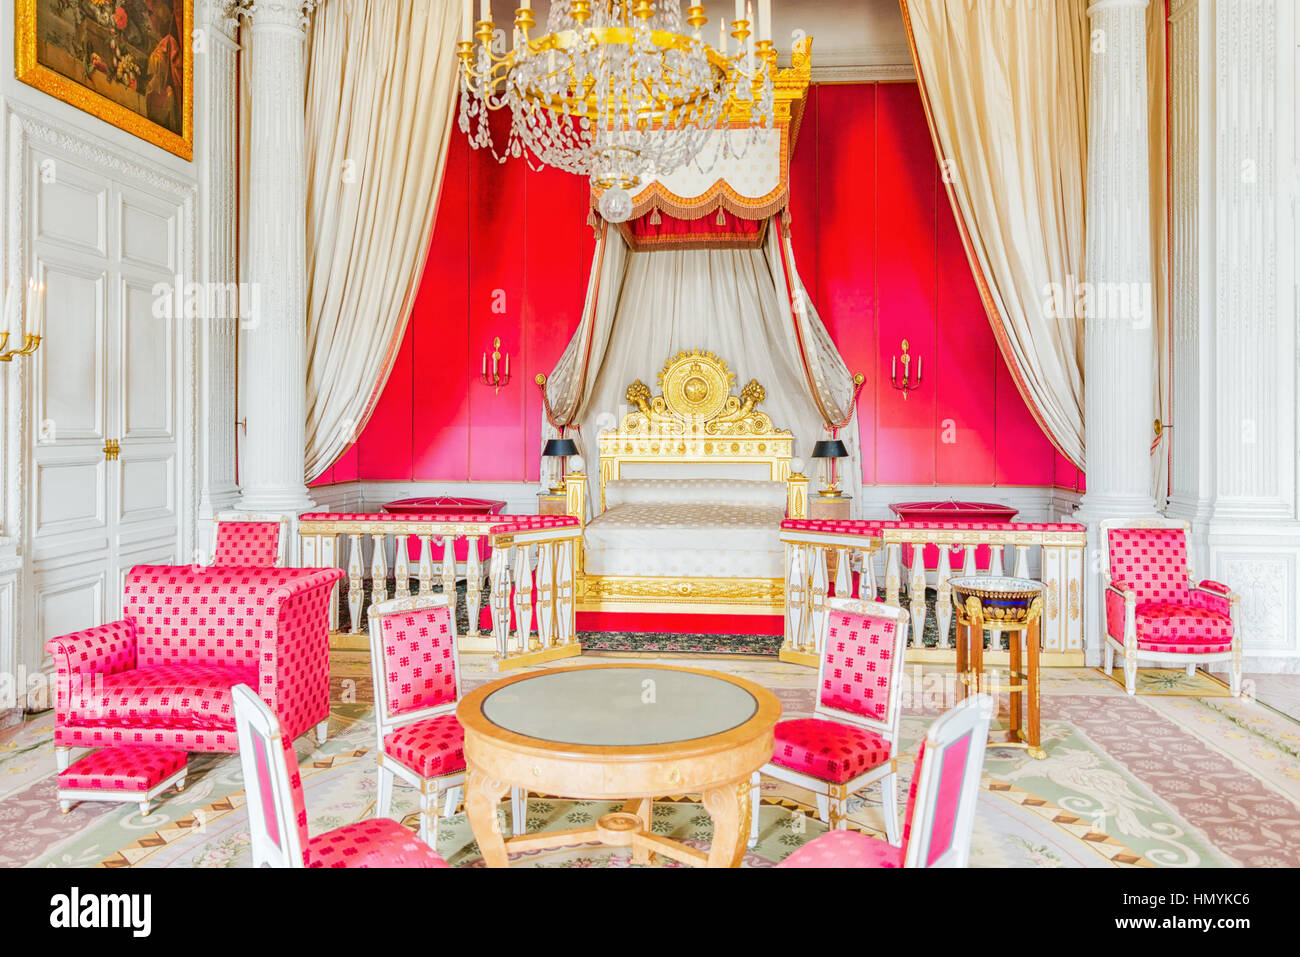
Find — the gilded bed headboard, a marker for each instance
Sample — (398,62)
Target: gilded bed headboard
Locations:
(696,419)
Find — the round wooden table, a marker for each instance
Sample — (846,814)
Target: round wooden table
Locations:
(617,731)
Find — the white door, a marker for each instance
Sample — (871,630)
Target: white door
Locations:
(106,373)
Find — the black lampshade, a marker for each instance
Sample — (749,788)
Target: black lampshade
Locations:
(829,449)
(560,447)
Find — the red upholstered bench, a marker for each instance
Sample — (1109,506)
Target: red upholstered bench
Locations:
(129,773)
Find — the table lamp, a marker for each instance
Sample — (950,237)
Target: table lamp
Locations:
(559,449)
(830,449)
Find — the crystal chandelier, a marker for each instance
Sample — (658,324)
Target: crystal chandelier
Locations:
(619,91)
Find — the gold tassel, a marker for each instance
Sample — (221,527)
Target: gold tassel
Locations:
(722,217)
(655,218)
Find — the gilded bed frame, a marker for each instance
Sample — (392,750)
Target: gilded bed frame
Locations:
(694,420)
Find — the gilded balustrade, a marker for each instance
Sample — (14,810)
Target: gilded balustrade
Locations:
(820,555)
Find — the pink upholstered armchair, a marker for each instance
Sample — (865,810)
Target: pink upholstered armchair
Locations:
(249,539)
(162,674)
(1154,610)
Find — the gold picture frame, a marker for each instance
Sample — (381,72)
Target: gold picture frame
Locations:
(116,60)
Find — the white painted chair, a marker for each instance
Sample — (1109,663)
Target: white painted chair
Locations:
(852,739)
(415,664)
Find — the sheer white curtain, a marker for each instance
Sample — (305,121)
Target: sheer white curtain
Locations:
(1005,88)
(381,87)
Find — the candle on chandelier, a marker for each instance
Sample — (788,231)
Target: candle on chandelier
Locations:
(740,9)
(507,365)
(6,321)
(722,35)
(893,367)
(467,21)
(919,360)
(485,365)
(749,15)
(765,19)
(485,10)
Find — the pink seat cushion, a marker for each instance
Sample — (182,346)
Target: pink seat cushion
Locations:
(432,748)
(1182,629)
(827,750)
(190,696)
(129,768)
(375,842)
(845,849)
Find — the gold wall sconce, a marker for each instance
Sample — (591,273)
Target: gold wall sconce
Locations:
(907,383)
(494,372)
(32,323)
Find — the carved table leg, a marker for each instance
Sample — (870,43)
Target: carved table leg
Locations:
(728,805)
(482,797)
(1034,731)
(643,808)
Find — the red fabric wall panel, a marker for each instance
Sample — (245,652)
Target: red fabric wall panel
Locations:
(878,250)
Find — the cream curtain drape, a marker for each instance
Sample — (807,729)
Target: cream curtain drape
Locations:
(1005,88)
(381,87)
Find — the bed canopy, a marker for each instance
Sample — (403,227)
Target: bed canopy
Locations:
(705,262)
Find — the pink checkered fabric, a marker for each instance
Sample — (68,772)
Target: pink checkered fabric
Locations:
(845,849)
(1190,628)
(128,769)
(828,750)
(847,526)
(247,544)
(432,747)
(161,696)
(374,842)
(419,659)
(1212,597)
(860,526)
(421,517)
(859,655)
(526,523)
(1151,562)
(267,627)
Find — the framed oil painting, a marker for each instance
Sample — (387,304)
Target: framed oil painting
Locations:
(128,62)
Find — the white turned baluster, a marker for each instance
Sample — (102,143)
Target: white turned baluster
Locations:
(401,568)
(995,562)
(916,592)
(426,564)
(564,593)
(473,583)
(499,599)
(523,597)
(1022,561)
(545,594)
(449,573)
(893,577)
(356,590)
(378,570)
(796,591)
(943,599)
(843,573)
(867,577)
(968,566)
(820,582)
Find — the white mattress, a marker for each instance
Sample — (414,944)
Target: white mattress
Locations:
(687,540)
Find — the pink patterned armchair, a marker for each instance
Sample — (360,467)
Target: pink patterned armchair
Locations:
(249,540)
(940,804)
(1154,611)
(162,674)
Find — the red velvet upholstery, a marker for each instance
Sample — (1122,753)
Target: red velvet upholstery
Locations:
(433,747)
(127,769)
(247,544)
(162,674)
(828,750)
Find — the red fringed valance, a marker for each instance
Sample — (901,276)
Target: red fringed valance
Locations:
(721,230)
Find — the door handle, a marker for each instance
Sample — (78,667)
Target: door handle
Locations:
(111,450)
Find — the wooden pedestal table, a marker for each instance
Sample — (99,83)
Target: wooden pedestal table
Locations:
(997,605)
(613,731)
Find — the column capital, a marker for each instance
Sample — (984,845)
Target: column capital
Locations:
(283,14)
(221,16)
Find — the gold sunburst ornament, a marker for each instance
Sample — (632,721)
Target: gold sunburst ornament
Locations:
(620,91)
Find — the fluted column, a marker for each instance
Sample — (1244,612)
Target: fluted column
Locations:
(1119,353)
(216,153)
(274,356)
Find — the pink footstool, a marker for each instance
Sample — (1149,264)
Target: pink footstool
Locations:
(128,773)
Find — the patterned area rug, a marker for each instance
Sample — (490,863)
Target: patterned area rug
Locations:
(1173,682)
(614,642)
(1128,781)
